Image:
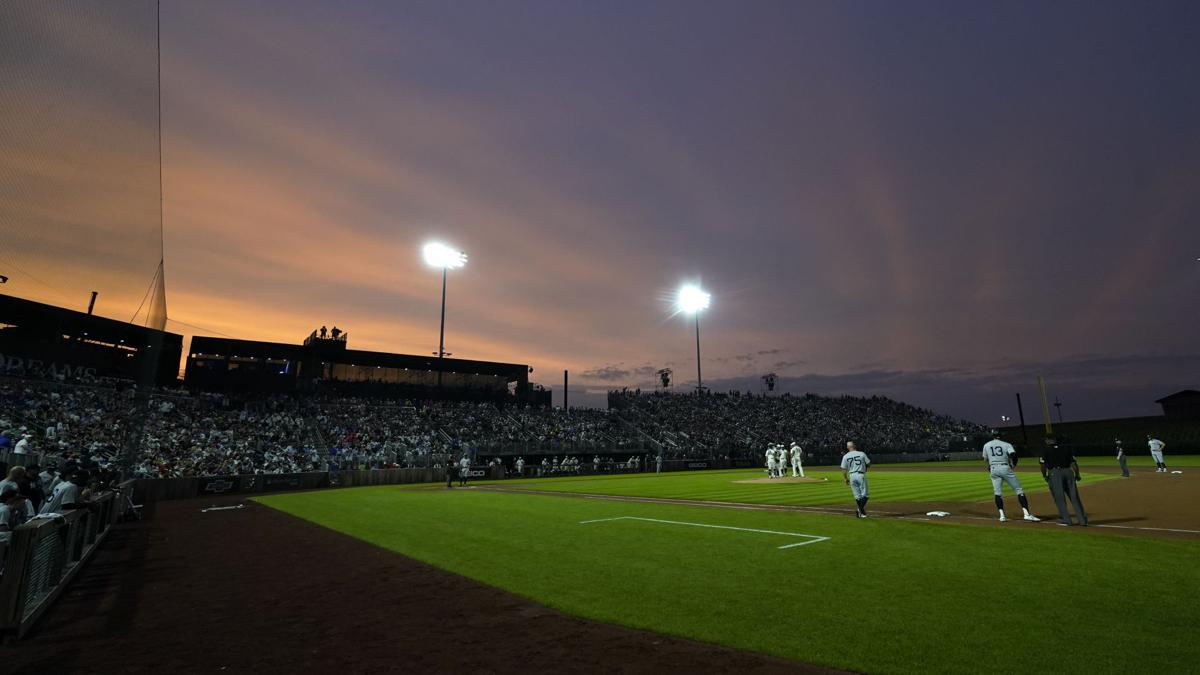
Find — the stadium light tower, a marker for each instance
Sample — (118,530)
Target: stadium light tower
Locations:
(692,300)
(440,255)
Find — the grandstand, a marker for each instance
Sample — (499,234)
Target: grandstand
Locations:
(321,365)
(42,340)
(188,432)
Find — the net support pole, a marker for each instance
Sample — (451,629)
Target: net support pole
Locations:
(1045,405)
(1021,416)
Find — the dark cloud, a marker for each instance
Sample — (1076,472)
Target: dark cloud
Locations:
(606,373)
(618,373)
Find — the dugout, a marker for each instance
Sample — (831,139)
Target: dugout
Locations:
(51,342)
(328,365)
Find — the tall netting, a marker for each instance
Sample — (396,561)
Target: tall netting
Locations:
(79,155)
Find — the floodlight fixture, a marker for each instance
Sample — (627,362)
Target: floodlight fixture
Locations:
(445,258)
(692,299)
(440,255)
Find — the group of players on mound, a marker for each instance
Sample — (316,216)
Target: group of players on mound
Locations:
(779,457)
(1059,469)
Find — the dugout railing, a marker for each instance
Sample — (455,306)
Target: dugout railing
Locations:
(42,556)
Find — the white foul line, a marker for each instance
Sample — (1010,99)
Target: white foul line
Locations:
(812,538)
(1155,529)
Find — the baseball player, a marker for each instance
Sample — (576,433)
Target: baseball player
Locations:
(1156,451)
(464,468)
(854,471)
(1000,458)
(770,460)
(658,463)
(520,466)
(1121,459)
(797,461)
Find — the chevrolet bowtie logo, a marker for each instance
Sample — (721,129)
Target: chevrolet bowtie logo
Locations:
(218,486)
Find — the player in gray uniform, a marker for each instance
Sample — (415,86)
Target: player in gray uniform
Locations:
(797,461)
(1156,452)
(854,471)
(464,470)
(1121,459)
(1000,458)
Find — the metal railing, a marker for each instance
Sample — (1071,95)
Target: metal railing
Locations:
(43,555)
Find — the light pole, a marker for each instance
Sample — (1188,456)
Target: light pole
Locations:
(440,255)
(692,300)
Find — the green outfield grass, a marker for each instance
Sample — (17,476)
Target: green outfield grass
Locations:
(890,485)
(881,595)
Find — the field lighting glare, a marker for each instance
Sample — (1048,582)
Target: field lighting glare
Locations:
(692,299)
(444,258)
(440,255)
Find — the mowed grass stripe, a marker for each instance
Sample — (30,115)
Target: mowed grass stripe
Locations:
(886,486)
(881,596)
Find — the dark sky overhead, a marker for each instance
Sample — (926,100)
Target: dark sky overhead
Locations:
(936,201)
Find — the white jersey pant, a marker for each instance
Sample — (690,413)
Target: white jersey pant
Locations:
(1002,475)
(797,468)
(1157,455)
(858,485)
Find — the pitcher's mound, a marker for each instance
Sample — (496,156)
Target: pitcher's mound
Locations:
(788,479)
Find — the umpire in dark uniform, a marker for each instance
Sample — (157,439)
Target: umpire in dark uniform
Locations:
(451,472)
(1061,472)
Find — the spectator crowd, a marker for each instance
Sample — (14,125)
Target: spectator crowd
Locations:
(173,433)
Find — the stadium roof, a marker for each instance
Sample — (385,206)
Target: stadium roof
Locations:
(1185,394)
(224,347)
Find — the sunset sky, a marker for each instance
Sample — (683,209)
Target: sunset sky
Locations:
(935,201)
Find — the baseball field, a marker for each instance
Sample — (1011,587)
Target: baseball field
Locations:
(778,567)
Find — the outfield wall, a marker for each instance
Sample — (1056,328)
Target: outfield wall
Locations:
(159,489)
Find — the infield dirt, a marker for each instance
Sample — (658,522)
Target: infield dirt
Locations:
(1146,504)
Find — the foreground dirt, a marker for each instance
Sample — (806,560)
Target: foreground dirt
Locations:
(258,591)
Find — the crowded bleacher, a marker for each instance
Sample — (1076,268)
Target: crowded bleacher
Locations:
(728,424)
(175,433)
